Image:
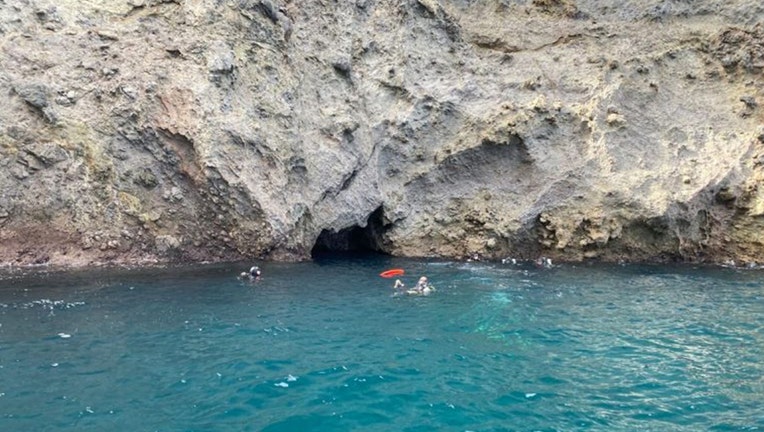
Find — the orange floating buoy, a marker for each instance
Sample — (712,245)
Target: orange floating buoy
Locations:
(392,273)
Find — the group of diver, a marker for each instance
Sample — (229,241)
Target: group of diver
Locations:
(422,288)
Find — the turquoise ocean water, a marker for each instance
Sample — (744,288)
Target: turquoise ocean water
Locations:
(322,346)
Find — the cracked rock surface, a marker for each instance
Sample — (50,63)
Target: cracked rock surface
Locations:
(165,130)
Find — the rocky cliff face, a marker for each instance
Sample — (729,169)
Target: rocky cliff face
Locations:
(143,130)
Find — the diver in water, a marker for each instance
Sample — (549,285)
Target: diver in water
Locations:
(253,274)
(424,287)
(399,287)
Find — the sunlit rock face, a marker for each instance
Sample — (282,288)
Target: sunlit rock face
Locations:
(161,130)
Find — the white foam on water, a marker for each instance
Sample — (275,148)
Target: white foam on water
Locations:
(64,335)
(281,384)
(291,378)
(530,395)
(501,297)
(51,304)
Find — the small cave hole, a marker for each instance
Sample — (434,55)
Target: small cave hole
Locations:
(355,240)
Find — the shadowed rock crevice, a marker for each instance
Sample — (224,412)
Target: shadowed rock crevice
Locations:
(357,239)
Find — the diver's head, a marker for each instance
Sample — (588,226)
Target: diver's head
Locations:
(254,271)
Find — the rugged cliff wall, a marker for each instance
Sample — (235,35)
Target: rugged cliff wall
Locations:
(210,129)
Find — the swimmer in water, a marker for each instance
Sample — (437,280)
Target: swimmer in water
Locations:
(399,288)
(422,287)
(252,275)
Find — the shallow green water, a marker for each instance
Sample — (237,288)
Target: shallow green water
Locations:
(323,346)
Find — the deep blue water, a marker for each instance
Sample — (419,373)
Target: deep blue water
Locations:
(323,346)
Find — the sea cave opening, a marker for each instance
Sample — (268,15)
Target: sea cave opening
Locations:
(355,240)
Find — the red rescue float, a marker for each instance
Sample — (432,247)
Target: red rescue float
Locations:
(392,273)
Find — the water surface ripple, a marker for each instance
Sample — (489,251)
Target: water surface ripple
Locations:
(323,346)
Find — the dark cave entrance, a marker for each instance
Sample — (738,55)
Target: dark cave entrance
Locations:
(353,240)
